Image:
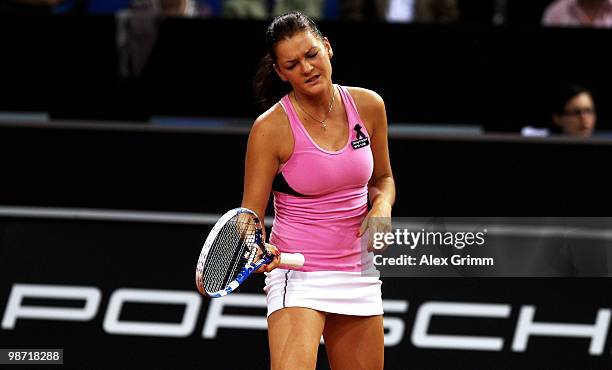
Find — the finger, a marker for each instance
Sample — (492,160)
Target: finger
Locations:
(376,227)
(272,249)
(268,266)
(370,241)
(387,228)
(272,265)
(363,227)
(388,224)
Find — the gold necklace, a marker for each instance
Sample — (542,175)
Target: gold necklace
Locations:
(331,105)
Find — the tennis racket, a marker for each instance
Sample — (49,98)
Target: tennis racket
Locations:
(234,249)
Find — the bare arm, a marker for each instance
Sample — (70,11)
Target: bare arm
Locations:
(381,187)
(261,164)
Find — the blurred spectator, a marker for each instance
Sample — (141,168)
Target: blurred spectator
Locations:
(264,9)
(423,11)
(362,10)
(400,11)
(137,30)
(576,13)
(436,11)
(252,9)
(82,7)
(168,8)
(573,111)
(312,8)
(500,12)
(28,6)
(178,8)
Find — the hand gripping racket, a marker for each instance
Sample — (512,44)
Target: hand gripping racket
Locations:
(234,249)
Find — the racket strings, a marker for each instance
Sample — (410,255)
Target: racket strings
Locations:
(235,259)
(225,250)
(232,249)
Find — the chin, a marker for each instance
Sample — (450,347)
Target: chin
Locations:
(317,88)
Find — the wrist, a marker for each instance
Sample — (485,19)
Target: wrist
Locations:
(381,205)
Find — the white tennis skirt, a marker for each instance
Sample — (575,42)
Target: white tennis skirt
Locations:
(340,292)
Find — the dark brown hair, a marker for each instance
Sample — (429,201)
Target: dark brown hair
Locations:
(563,94)
(269,88)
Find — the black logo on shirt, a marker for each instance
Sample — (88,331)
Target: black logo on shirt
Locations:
(362,139)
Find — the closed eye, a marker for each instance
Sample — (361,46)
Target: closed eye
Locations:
(312,53)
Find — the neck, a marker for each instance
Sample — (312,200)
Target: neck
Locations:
(317,105)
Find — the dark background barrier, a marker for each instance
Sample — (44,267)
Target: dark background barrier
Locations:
(180,170)
(497,77)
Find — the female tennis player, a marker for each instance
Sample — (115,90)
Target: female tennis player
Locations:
(322,150)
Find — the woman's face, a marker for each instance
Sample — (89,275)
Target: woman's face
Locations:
(304,61)
(578,117)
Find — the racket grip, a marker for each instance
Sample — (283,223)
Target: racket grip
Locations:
(292,260)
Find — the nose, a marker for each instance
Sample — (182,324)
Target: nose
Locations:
(307,68)
(587,117)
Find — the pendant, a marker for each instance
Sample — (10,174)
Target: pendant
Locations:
(324,125)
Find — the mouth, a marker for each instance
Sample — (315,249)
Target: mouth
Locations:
(313,79)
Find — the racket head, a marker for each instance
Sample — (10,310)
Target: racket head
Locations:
(229,253)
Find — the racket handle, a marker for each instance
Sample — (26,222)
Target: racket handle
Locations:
(292,260)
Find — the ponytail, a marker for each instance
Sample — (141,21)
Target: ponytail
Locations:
(269,88)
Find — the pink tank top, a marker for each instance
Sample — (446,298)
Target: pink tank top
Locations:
(321,197)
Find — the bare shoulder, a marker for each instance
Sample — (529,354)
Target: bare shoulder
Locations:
(370,105)
(272,131)
(272,123)
(366,99)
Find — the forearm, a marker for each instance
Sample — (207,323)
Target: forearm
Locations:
(382,194)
